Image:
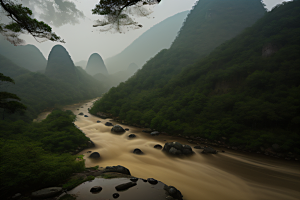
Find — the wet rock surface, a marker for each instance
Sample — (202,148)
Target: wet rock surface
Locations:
(132,136)
(94,155)
(117,129)
(157,146)
(96,189)
(125,186)
(108,124)
(137,151)
(175,148)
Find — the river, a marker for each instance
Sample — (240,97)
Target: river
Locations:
(226,176)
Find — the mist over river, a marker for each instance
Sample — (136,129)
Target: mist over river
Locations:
(225,176)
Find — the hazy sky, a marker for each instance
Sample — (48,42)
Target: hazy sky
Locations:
(82,39)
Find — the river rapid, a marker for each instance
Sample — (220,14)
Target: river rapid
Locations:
(223,176)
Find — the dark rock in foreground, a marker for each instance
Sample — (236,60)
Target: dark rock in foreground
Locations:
(173,192)
(117,129)
(176,148)
(118,169)
(125,186)
(96,189)
(208,149)
(137,151)
(47,192)
(134,179)
(152,181)
(108,124)
(131,136)
(94,155)
(157,146)
(126,129)
(115,195)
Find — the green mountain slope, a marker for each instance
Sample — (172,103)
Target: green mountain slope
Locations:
(39,92)
(248,89)
(96,65)
(27,56)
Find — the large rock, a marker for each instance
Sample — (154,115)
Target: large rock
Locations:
(94,155)
(108,124)
(173,192)
(117,129)
(125,186)
(138,151)
(118,169)
(176,148)
(47,192)
(157,146)
(208,149)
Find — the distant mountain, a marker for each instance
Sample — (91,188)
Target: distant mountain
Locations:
(28,56)
(60,65)
(39,92)
(132,68)
(158,37)
(81,64)
(96,65)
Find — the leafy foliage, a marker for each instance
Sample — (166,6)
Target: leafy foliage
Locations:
(32,155)
(22,22)
(234,92)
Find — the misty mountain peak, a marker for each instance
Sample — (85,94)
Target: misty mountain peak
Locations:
(96,65)
(60,65)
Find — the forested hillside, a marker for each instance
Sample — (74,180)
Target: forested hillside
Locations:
(27,56)
(39,92)
(247,89)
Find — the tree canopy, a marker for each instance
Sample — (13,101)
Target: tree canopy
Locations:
(117,13)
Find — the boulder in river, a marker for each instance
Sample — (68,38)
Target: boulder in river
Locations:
(154,133)
(115,195)
(117,129)
(134,179)
(96,189)
(176,148)
(126,129)
(157,146)
(209,149)
(173,192)
(85,116)
(131,136)
(81,113)
(108,124)
(47,192)
(137,151)
(94,155)
(152,181)
(125,186)
(118,169)
(98,121)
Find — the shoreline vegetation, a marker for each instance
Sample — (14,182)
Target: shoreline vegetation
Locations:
(222,142)
(36,155)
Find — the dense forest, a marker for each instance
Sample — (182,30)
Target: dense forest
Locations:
(247,89)
(36,155)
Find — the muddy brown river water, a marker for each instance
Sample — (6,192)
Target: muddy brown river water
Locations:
(223,176)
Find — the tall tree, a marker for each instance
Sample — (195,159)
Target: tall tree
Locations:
(8,101)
